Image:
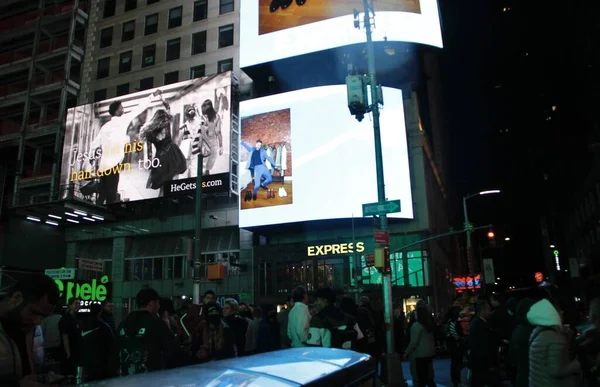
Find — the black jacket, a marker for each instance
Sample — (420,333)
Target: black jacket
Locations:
(239,326)
(518,350)
(158,340)
(482,345)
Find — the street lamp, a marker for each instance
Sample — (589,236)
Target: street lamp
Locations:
(468,227)
(507,239)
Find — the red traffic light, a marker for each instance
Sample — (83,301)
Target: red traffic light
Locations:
(491,235)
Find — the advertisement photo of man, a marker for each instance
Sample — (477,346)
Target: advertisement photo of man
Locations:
(257,162)
(111,140)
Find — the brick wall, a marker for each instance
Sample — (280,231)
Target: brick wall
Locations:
(272,128)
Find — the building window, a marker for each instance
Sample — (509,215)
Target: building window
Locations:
(106,36)
(148,55)
(125,62)
(122,89)
(130,5)
(146,83)
(99,95)
(199,42)
(103,68)
(175,17)
(200,10)
(128,31)
(171,77)
(225,65)
(226,6)
(197,71)
(226,36)
(109,8)
(151,26)
(152,2)
(173,49)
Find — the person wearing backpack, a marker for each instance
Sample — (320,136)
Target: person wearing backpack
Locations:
(144,340)
(331,327)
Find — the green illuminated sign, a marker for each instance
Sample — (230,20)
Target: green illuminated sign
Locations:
(85,291)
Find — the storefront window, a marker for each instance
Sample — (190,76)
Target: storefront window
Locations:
(370,275)
(397,266)
(415,268)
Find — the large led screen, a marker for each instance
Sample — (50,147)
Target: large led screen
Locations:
(304,157)
(145,145)
(270,30)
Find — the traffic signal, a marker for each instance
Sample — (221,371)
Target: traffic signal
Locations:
(491,238)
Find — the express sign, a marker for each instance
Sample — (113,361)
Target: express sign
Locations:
(337,248)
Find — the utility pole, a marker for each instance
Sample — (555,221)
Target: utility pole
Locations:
(393,366)
(198,230)
(468,230)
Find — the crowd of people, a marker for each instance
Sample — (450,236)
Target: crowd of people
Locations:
(523,342)
(42,342)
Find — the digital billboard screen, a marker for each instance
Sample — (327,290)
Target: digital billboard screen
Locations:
(276,29)
(145,145)
(304,157)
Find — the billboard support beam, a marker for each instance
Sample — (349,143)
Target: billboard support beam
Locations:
(392,365)
(198,231)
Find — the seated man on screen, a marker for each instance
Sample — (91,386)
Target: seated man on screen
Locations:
(256,161)
(111,139)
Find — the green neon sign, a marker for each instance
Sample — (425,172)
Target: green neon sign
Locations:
(85,291)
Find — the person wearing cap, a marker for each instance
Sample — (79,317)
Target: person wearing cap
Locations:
(145,342)
(215,340)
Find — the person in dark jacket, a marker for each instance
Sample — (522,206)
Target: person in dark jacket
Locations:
(518,350)
(331,327)
(237,323)
(455,343)
(97,346)
(215,340)
(482,347)
(145,342)
(268,334)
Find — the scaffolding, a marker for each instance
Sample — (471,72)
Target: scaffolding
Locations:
(42,48)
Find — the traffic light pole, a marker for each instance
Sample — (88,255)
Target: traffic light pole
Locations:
(198,231)
(469,243)
(393,365)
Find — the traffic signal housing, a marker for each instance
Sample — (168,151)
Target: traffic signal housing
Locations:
(491,235)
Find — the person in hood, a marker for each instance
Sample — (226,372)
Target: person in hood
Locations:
(97,346)
(145,342)
(518,350)
(331,327)
(215,340)
(549,362)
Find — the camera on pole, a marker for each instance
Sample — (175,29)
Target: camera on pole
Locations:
(358,96)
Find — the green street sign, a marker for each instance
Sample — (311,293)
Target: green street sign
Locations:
(389,207)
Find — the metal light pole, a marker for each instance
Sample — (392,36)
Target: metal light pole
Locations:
(392,361)
(198,230)
(468,226)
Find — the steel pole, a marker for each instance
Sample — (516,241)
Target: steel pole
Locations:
(468,231)
(393,374)
(198,230)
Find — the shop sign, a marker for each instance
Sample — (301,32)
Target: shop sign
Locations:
(60,274)
(90,265)
(93,290)
(337,248)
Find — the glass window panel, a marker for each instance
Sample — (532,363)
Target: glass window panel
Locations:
(169,268)
(415,269)
(151,26)
(147,270)
(178,268)
(138,269)
(128,269)
(157,268)
(200,10)
(175,17)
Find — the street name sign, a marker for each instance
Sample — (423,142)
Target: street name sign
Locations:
(60,274)
(389,207)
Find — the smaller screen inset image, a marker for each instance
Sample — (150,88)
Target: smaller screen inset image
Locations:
(277,15)
(266,160)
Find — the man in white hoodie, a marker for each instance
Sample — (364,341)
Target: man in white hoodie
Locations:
(550,363)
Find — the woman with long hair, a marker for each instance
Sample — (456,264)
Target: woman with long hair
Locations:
(171,161)
(214,341)
(422,346)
